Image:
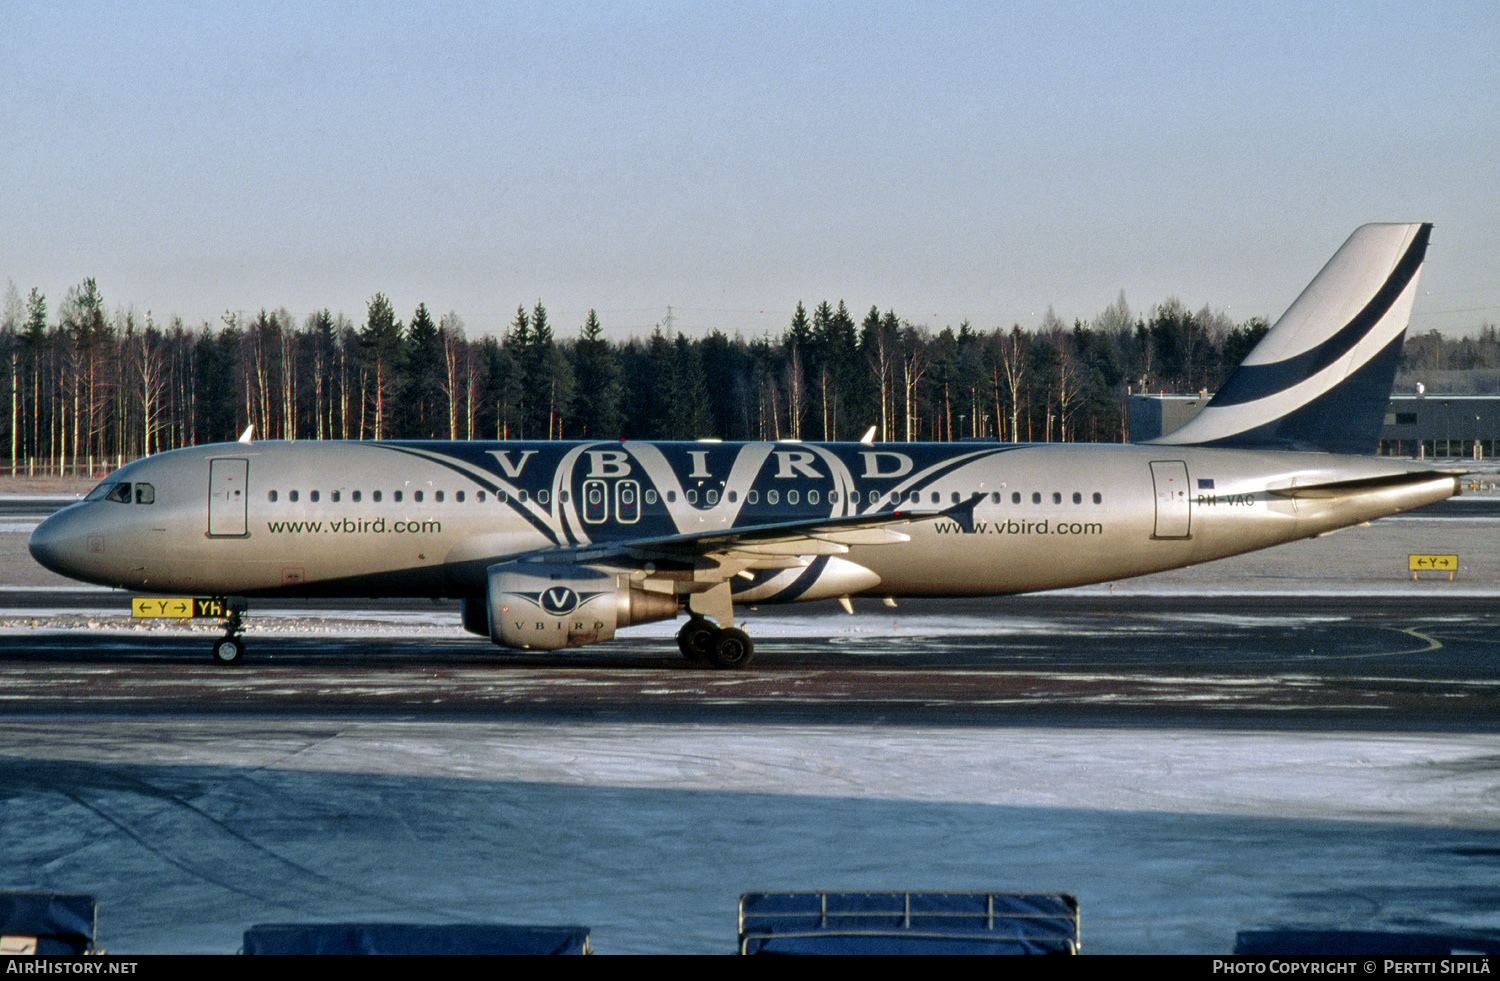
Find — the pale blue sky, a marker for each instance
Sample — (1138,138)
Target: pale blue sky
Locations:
(949,161)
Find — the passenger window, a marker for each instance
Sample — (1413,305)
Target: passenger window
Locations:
(458,496)
(1056,498)
(439,497)
(752,497)
(1015,497)
(501,497)
(1036,497)
(833,497)
(772,497)
(337,496)
(270,495)
(734,496)
(994,497)
(692,496)
(479,496)
(937,498)
(671,497)
(954,497)
(416,496)
(521,496)
(651,497)
(357,495)
(712,497)
(1077,498)
(375,496)
(563,497)
(145,494)
(812,497)
(292,496)
(915,497)
(313,496)
(1098,498)
(543,496)
(791,497)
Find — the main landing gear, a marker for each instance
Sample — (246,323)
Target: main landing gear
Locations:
(230,649)
(723,647)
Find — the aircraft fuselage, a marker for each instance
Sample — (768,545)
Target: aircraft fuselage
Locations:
(429,518)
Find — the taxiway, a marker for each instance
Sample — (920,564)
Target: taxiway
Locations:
(1302,737)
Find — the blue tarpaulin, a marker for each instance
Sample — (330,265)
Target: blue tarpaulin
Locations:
(57,923)
(404,938)
(908,923)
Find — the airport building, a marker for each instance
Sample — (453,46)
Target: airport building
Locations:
(1425,427)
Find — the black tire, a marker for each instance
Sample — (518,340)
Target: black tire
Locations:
(732,649)
(697,638)
(228,650)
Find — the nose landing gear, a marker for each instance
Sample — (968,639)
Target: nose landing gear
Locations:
(230,649)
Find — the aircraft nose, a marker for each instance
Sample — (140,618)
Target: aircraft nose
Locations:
(54,546)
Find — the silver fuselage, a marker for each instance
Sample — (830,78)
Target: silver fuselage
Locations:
(428,519)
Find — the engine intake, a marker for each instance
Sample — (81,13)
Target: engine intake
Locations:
(547,606)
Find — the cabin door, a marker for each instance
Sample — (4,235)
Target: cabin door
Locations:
(1173,502)
(228,492)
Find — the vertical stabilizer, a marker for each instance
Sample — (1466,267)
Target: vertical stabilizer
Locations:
(1321,377)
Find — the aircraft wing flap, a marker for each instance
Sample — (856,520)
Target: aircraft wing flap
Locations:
(863,536)
(796,546)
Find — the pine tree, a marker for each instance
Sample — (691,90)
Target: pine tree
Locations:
(688,417)
(383,346)
(798,343)
(426,415)
(595,410)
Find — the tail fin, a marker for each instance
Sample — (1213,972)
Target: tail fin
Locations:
(1321,377)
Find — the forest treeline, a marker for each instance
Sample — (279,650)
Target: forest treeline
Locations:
(88,388)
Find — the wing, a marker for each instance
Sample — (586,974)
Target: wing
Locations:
(766,546)
(774,562)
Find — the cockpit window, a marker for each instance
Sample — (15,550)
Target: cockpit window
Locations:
(123,492)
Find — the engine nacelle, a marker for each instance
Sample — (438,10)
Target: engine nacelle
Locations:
(545,606)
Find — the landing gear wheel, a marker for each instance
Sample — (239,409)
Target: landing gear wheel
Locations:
(228,650)
(732,649)
(696,639)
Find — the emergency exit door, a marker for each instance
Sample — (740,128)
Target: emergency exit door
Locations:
(1173,502)
(228,493)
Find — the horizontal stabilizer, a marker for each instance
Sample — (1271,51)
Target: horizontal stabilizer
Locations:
(1345,488)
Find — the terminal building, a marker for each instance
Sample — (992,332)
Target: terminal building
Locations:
(1424,427)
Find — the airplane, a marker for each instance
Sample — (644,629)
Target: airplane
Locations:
(559,544)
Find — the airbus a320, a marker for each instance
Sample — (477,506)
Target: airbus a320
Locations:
(560,544)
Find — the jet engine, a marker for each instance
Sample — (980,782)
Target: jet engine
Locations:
(546,606)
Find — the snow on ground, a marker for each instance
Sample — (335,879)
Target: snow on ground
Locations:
(189,831)
(1412,779)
